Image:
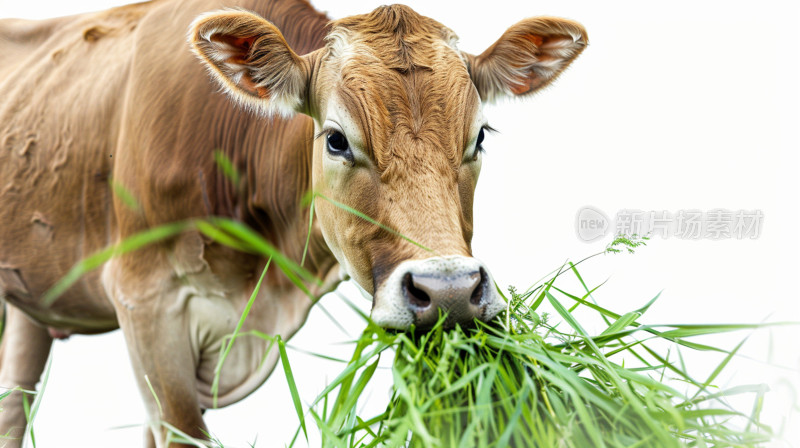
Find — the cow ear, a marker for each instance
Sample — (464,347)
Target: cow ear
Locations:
(529,56)
(252,62)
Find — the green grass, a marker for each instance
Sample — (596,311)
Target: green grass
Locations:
(529,379)
(533,377)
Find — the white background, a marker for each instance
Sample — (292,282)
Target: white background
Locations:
(678,105)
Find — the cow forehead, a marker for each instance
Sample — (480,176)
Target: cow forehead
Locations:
(401,38)
(402,79)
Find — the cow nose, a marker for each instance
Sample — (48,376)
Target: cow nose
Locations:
(416,292)
(457,294)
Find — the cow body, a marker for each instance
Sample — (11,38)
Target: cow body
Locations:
(61,140)
(119,95)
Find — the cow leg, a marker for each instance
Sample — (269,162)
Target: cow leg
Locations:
(149,438)
(23,355)
(152,317)
(162,361)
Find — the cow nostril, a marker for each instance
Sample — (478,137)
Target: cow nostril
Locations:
(416,296)
(480,289)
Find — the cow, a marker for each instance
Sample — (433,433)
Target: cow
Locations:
(380,112)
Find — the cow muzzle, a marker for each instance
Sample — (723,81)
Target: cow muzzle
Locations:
(418,290)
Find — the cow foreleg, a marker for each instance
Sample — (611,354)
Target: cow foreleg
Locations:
(165,369)
(152,317)
(23,355)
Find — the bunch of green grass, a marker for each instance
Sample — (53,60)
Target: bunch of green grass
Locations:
(521,381)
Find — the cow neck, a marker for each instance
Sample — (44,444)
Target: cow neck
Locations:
(273,155)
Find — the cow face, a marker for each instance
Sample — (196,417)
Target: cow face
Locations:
(399,133)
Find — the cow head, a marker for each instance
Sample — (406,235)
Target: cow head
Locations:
(398,116)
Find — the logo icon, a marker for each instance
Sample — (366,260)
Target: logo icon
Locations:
(591,224)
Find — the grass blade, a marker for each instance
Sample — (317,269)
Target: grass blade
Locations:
(287,370)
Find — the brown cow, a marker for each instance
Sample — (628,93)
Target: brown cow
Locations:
(390,124)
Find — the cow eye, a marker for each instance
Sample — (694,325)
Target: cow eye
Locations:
(478,145)
(337,143)
(480,139)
